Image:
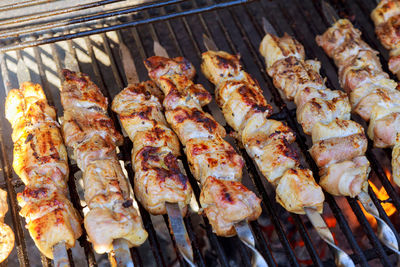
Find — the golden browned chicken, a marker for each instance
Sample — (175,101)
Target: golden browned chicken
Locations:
(373,95)
(386,17)
(324,114)
(40,159)
(266,141)
(158,178)
(213,161)
(6,234)
(91,133)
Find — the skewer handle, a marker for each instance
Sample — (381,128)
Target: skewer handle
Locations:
(122,254)
(246,236)
(341,257)
(180,234)
(385,233)
(60,255)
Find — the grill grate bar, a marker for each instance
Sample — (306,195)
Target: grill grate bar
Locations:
(53,39)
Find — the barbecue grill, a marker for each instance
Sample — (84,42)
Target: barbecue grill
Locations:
(91,31)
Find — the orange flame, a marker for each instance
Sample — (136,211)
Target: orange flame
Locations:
(381,195)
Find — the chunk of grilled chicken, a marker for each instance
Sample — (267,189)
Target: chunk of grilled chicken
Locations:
(324,114)
(213,157)
(266,141)
(386,17)
(40,159)
(6,234)
(158,178)
(226,203)
(85,111)
(373,95)
(213,161)
(92,134)
(50,216)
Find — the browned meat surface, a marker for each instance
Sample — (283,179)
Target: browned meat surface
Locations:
(158,178)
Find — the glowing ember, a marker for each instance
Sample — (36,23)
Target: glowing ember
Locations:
(381,195)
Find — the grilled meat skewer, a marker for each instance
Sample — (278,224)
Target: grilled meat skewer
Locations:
(213,161)
(158,178)
(373,95)
(386,17)
(93,137)
(339,144)
(266,141)
(6,234)
(40,160)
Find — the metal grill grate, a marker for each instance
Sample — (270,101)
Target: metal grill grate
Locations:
(178,26)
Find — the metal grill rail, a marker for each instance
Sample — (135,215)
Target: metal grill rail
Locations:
(178,25)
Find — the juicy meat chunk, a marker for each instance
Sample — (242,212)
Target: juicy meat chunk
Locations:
(226,203)
(338,149)
(78,91)
(158,179)
(50,218)
(193,123)
(275,49)
(297,190)
(346,178)
(214,157)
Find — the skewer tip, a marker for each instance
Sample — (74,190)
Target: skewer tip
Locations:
(159,50)
(268,28)
(329,12)
(209,43)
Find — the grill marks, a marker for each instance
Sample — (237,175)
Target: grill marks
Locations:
(91,133)
(158,178)
(212,160)
(40,159)
(324,114)
(266,141)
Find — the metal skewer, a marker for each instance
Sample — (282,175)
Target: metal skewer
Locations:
(242,228)
(121,251)
(173,210)
(60,255)
(384,232)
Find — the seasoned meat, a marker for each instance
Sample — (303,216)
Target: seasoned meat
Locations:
(373,95)
(40,159)
(213,161)
(323,113)
(226,203)
(158,178)
(91,133)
